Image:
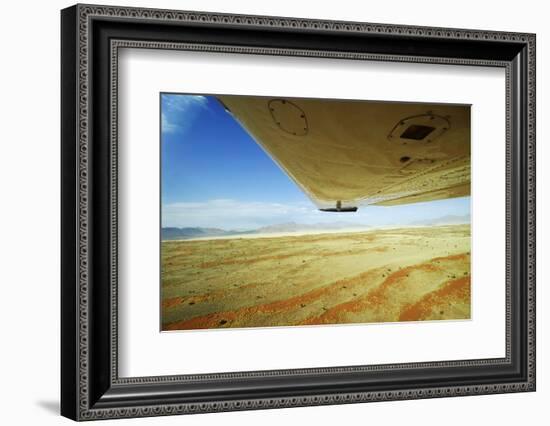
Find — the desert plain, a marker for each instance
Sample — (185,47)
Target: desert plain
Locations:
(379,275)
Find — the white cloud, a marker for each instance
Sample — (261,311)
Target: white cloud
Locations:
(167,126)
(179,111)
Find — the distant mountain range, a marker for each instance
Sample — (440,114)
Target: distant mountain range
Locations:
(172,233)
(185,233)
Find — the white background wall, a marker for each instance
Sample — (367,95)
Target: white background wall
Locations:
(29,225)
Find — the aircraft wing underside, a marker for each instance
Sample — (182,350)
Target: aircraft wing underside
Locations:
(345,154)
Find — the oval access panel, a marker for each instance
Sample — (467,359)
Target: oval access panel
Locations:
(288,116)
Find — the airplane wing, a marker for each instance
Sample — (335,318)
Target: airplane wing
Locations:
(345,154)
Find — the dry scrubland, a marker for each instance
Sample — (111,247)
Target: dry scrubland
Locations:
(407,274)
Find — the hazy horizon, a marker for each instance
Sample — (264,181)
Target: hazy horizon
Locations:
(459,218)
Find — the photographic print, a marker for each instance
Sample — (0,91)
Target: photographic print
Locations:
(282,211)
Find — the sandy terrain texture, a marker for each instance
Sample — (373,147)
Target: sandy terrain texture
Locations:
(403,274)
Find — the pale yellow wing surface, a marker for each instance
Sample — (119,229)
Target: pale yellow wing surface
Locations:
(344,154)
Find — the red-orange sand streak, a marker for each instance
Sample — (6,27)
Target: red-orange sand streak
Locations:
(452,291)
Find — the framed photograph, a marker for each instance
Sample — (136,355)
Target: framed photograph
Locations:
(263,212)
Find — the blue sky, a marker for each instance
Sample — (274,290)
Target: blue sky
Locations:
(215,175)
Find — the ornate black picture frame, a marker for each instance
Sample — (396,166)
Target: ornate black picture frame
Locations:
(91,36)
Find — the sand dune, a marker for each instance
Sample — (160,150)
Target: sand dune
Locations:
(405,274)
